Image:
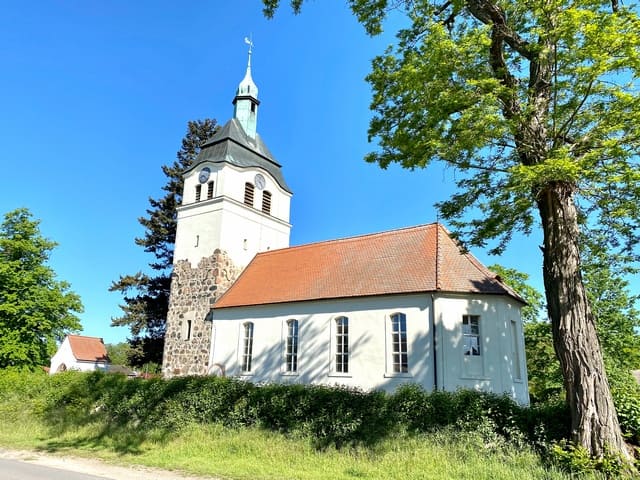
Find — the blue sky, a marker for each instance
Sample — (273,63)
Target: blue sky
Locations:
(95,98)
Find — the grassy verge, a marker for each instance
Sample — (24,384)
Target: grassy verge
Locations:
(252,452)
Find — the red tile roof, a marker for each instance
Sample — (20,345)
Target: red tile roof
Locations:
(88,349)
(410,260)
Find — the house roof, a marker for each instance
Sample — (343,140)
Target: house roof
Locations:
(88,349)
(409,260)
(230,144)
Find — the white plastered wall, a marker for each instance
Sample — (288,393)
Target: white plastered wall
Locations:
(225,222)
(494,369)
(369,362)
(65,356)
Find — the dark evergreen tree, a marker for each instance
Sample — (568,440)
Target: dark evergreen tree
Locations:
(146,295)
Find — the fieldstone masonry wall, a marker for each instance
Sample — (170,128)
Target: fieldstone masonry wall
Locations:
(193,293)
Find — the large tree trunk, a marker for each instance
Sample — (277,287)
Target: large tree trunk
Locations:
(594,422)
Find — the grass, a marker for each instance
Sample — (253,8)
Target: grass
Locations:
(247,452)
(251,453)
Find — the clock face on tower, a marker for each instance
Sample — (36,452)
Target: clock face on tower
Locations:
(259,181)
(204,174)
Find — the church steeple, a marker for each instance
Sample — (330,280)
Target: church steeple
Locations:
(246,100)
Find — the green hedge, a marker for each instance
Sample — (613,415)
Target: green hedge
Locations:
(328,415)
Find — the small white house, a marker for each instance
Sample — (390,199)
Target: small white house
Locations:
(372,312)
(80,353)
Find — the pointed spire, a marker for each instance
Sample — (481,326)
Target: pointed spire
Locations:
(246,100)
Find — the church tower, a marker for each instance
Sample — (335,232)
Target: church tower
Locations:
(235,204)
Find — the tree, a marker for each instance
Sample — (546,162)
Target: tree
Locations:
(36,310)
(535,105)
(146,295)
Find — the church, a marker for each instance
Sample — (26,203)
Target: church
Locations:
(371,312)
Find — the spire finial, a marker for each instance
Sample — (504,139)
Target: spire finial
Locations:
(249,41)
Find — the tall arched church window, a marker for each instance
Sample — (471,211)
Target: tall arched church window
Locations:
(248,194)
(400,357)
(342,345)
(291,347)
(247,347)
(266,202)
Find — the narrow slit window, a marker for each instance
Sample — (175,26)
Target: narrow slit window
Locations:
(471,334)
(198,192)
(248,194)
(188,335)
(266,202)
(400,357)
(342,345)
(291,348)
(247,350)
(209,190)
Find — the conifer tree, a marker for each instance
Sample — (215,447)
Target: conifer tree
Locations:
(146,295)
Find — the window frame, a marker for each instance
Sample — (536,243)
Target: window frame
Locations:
(246,363)
(340,350)
(291,347)
(400,367)
(469,334)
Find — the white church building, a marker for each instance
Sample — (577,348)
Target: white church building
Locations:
(373,311)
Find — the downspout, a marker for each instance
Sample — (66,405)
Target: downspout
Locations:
(434,342)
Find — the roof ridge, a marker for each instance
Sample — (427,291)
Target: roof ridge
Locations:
(84,336)
(347,239)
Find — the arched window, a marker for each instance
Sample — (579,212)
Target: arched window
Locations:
(198,192)
(210,190)
(291,347)
(266,202)
(248,194)
(399,352)
(247,347)
(342,345)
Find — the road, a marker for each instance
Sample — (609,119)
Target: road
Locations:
(21,470)
(25,465)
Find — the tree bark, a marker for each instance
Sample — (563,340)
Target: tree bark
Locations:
(594,422)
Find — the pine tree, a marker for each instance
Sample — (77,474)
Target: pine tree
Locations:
(146,295)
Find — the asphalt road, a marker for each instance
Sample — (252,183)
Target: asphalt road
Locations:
(19,470)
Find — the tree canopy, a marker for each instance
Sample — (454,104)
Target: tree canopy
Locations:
(36,309)
(535,105)
(146,295)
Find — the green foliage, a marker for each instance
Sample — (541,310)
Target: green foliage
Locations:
(543,367)
(36,310)
(518,281)
(146,296)
(118,353)
(576,459)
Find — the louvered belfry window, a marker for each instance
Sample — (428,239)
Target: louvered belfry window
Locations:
(266,202)
(248,194)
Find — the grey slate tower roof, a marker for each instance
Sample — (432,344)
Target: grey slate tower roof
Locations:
(232,145)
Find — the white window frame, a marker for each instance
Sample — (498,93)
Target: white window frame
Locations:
(247,330)
(468,335)
(390,370)
(335,335)
(293,341)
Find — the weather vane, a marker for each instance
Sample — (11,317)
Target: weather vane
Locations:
(248,40)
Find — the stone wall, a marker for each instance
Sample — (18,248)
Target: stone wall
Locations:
(193,293)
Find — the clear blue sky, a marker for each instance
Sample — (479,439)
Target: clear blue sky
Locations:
(95,98)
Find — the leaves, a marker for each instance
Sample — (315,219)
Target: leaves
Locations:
(36,310)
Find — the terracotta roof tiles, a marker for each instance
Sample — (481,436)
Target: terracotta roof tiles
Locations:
(88,349)
(409,260)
